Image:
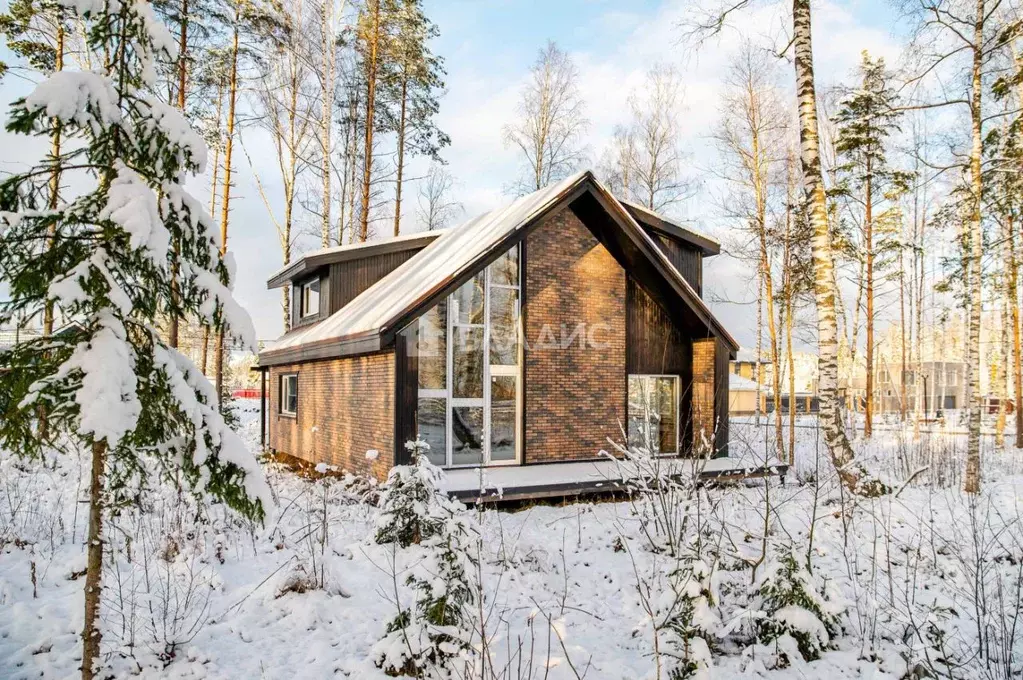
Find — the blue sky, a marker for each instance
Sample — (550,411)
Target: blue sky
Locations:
(489,46)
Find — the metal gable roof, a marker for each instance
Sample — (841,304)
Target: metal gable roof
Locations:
(365,324)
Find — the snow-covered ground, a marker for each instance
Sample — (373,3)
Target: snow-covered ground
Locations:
(192,594)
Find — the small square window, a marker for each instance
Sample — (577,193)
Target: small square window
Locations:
(309,298)
(289,394)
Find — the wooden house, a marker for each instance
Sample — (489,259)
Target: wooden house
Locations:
(524,337)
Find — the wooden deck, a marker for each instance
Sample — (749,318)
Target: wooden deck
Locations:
(564,480)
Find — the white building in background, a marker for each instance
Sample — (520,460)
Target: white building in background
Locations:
(751,375)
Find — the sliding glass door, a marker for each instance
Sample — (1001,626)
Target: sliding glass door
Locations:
(469,411)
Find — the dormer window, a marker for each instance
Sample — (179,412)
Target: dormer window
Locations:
(309,299)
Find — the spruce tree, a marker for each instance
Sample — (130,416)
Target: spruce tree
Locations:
(102,255)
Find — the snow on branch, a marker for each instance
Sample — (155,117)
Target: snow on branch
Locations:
(88,99)
(132,205)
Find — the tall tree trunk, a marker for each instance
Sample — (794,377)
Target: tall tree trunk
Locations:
(1017,347)
(54,199)
(902,324)
(971,481)
(401,153)
(326,114)
(174,330)
(843,458)
(868,243)
(225,201)
(91,635)
(371,89)
(790,302)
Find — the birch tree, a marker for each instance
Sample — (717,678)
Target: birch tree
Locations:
(852,472)
(752,140)
(548,133)
(957,42)
(437,209)
(284,97)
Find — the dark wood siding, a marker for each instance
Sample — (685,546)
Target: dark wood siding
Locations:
(406,391)
(655,344)
(349,279)
(721,357)
(687,260)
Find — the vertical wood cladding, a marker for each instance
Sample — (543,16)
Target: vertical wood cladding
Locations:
(710,394)
(406,391)
(687,260)
(658,345)
(575,389)
(345,408)
(350,278)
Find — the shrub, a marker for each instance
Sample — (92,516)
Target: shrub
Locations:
(792,603)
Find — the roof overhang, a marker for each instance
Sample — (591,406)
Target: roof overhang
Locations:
(706,245)
(368,343)
(310,262)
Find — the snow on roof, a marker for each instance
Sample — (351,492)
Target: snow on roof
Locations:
(747,354)
(738,383)
(429,269)
(411,238)
(699,235)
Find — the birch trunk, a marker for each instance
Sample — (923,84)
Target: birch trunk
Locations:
(971,480)
(850,471)
(327,92)
(868,242)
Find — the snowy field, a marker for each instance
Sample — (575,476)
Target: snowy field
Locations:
(922,580)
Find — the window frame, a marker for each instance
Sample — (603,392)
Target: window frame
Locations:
(677,380)
(303,302)
(282,381)
(489,371)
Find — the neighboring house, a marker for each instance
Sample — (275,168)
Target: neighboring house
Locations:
(528,335)
(743,395)
(936,385)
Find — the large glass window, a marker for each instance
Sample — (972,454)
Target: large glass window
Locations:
(653,413)
(469,369)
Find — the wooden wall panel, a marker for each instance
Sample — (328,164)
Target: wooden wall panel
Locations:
(687,260)
(349,279)
(655,344)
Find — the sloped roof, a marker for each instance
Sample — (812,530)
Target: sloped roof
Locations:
(707,245)
(318,258)
(363,324)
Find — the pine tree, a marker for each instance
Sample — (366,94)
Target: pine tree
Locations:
(866,119)
(415,80)
(110,383)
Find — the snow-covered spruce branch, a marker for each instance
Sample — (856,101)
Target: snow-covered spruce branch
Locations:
(103,259)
